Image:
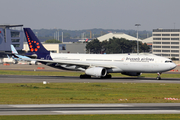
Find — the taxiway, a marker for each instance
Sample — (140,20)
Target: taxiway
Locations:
(54,109)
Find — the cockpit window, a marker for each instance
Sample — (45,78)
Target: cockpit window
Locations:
(168,61)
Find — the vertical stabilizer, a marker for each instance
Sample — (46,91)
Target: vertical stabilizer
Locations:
(35,45)
(14,51)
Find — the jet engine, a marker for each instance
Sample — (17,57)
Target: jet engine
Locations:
(131,73)
(96,71)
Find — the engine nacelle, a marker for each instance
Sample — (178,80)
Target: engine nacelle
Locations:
(96,71)
(131,73)
(33,63)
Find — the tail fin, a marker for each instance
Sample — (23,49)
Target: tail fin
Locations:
(14,51)
(35,45)
(8,56)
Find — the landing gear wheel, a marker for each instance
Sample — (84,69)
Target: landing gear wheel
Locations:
(158,78)
(107,76)
(84,76)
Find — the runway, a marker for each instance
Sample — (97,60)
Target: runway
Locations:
(67,79)
(61,109)
(61,79)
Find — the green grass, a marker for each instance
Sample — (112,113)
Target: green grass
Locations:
(94,117)
(70,73)
(57,93)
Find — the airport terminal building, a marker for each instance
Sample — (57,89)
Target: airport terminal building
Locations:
(166,43)
(9,34)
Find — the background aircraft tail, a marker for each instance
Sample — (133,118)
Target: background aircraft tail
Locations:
(35,45)
(14,51)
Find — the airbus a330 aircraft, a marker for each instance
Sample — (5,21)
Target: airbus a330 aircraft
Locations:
(99,65)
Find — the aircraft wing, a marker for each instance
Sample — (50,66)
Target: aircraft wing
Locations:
(71,63)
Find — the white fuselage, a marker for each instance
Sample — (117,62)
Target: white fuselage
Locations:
(120,62)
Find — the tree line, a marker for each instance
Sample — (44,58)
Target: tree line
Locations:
(115,45)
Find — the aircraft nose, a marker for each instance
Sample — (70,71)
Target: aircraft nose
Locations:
(173,65)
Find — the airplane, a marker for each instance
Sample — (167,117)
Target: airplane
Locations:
(99,65)
(18,57)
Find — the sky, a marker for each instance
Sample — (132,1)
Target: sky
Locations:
(89,14)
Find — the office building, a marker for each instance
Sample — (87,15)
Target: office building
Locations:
(166,42)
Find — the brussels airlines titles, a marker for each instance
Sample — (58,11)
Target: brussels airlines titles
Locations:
(138,59)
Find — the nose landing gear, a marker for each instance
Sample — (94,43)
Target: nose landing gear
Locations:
(159,76)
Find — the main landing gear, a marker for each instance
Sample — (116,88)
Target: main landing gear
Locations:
(84,76)
(107,76)
(159,76)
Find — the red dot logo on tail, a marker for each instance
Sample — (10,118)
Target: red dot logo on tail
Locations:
(33,45)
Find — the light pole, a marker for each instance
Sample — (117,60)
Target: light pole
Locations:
(137,38)
(62,37)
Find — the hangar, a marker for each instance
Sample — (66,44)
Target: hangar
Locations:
(117,35)
(148,41)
